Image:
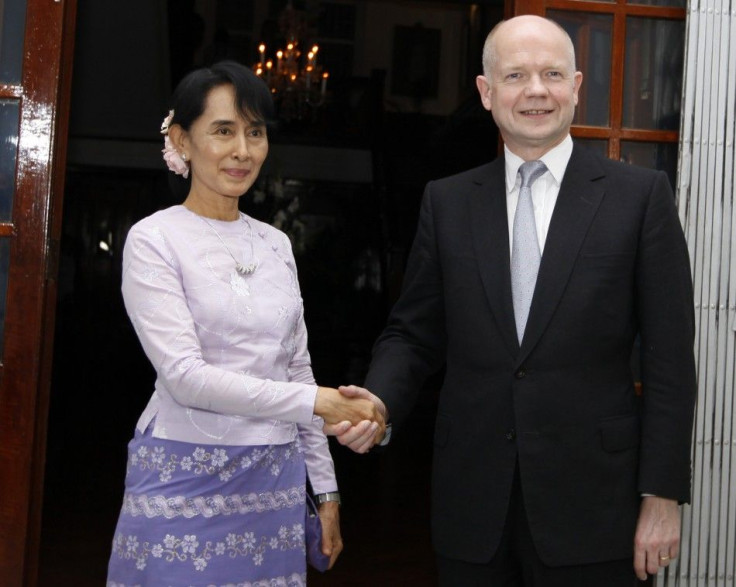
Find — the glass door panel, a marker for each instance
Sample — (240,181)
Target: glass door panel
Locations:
(9,125)
(673,3)
(592,36)
(9,122)
(4,267)
(12,28)
(653,73)
(653,155)
(598,145)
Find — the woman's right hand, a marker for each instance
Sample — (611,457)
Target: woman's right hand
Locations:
(334,407)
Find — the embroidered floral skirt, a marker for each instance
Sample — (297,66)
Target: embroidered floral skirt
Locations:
(207,515)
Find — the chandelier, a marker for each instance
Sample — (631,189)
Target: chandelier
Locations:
(297,80)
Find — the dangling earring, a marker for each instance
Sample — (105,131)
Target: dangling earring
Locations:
(184,156)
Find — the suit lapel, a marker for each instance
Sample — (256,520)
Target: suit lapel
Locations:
(490,233)
(577,203)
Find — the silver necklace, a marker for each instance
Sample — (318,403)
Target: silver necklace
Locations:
(243,270)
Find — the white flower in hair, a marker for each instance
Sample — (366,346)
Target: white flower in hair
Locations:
(166,123)
(174,161)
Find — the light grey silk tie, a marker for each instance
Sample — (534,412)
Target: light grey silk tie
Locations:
(525,256)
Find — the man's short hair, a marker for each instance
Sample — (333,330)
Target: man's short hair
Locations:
(489,53)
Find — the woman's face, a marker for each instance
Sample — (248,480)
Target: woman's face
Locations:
(225,150)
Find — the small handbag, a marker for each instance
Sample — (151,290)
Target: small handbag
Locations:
(313,538)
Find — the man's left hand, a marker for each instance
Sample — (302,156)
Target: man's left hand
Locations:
(657,539)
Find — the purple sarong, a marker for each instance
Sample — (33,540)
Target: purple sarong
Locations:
(210,516)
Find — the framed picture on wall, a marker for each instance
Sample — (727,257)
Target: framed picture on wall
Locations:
(416,62)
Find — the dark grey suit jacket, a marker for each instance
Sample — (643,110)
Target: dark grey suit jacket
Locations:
(615,264)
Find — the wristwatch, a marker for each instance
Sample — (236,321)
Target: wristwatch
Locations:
(386,436)
(321,498)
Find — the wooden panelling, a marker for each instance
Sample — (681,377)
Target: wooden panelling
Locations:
(23,402)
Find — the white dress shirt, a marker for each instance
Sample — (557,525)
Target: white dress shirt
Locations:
(544,190)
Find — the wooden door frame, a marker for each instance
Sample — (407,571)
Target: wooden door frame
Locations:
(44,96)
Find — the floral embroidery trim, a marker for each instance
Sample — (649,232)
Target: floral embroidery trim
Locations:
(188,548)
(239,286)
(214,505)
(205,462)
(293,580)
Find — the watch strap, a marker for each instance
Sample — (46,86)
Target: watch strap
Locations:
(321,498)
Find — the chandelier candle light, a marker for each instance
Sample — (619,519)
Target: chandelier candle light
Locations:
(293,81)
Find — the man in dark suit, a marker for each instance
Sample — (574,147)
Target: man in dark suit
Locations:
(548,468)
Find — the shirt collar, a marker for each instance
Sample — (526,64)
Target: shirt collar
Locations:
(556,160)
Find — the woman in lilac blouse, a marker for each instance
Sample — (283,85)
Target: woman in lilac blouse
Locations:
(216,474)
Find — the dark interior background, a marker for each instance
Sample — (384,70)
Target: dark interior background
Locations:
(351,229)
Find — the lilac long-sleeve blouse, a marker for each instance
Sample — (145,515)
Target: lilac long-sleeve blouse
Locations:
(229,350)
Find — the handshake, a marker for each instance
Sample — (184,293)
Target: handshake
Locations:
(352,414)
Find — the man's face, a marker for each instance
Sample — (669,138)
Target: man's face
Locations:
(531,88)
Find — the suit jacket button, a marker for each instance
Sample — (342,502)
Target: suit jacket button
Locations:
(511,435)
(521,373)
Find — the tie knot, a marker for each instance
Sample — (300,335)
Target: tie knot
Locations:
(531,171)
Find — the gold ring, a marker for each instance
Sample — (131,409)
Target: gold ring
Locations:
(664,558)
